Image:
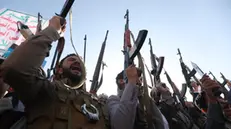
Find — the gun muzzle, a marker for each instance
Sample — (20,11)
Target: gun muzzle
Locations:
(66,8)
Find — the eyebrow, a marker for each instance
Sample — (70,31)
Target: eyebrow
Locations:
(72,58)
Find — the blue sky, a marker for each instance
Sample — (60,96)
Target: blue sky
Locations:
(200,28)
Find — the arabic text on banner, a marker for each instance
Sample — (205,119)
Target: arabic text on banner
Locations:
(9,33)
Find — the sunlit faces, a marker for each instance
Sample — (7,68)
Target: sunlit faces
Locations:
(72,63)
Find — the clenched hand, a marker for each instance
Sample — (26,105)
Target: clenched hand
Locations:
(55,23)
(208,85)
(132,74)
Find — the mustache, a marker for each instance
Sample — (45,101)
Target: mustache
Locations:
(76,66)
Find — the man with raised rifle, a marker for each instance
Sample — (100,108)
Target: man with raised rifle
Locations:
(63,103)
(165,102)
(219,111)
(177,116)
(126,91)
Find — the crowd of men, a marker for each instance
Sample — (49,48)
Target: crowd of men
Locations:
(34,102)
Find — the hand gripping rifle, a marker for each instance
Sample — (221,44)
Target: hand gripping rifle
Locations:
(217,92)
(130,52)
(61,42)
(95,83)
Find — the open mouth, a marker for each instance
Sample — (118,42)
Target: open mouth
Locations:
(75,68)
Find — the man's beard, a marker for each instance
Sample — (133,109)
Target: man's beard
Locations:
(74,78)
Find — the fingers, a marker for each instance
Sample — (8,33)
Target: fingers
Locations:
(58,23)
(208,83)
(204,78)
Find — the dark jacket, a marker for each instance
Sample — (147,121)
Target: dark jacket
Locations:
(215,118)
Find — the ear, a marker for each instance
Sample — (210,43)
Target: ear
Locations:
(59,70)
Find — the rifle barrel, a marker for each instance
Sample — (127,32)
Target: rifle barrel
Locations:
(85,43)
(95,79)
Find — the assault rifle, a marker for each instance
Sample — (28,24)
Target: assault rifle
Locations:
(156,70)
(61,42)
(176,93)
(66,8)
(95,83)
(217,91)
(130,52)
(186,72)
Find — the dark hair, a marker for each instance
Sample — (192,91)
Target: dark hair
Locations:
(61,62)
(60,65)
(120,75)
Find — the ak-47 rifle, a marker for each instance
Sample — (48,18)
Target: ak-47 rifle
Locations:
(130,52)
(180,103)
(26,32)
(176,93)
(61,41)
(156,70)
(95,83)
(66,8)
(187,75)
(225,80)
(217,91)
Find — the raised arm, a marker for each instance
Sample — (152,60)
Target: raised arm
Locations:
(20,69)
(122,111)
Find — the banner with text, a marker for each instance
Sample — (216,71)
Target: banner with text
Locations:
(10,37)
